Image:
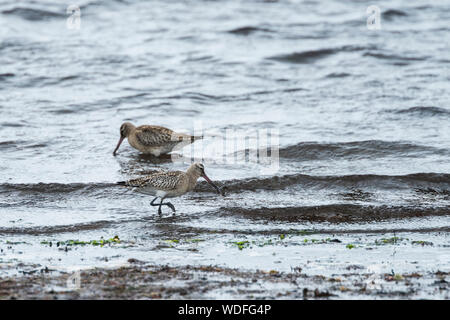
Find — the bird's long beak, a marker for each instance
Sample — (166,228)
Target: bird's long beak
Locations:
(212,184)
(118,145)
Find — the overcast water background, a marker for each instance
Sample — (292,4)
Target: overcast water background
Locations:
(362,118)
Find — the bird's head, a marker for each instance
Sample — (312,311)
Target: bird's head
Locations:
(125,129)
(198,170)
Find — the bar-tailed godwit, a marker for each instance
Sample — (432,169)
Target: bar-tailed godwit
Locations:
(169,184)
(153,140)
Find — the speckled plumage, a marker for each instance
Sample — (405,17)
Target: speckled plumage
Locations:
(169,184)
(153,135)
(155,140)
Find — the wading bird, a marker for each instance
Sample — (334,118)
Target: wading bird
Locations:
(169,184)
(154,140)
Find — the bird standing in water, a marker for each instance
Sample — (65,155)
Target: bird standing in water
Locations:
(170,184)
(154,140)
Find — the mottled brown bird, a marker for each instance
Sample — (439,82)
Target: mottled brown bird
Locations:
(154,140)
(169,184)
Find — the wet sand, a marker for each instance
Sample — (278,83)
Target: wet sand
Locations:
(329,261)
(143,281)
(355,119)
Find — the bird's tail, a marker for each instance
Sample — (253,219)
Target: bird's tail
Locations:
(194,138)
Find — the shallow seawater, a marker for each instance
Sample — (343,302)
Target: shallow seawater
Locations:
(360,119)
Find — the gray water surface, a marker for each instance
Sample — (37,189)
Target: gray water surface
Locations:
(363,119)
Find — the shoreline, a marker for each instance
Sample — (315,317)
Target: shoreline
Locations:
(139,280)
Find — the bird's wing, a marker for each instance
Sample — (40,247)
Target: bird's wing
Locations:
(165,181)
(153,136)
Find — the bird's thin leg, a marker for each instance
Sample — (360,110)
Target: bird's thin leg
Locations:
(167,204)
(160,204)
(153,203)
(171,206)
(156,205)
